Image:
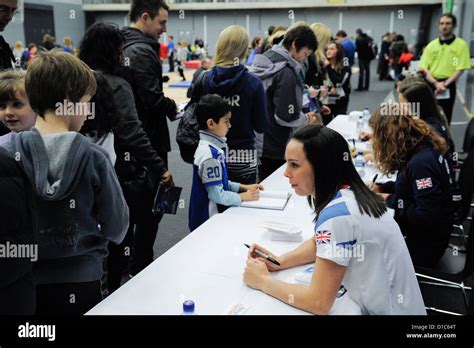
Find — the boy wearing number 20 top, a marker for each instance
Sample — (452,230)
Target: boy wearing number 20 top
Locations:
(211,186)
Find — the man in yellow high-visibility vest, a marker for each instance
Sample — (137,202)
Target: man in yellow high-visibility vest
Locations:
(444,61)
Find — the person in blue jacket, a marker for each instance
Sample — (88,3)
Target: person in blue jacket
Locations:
(246,96)
(348,45)
(422,193)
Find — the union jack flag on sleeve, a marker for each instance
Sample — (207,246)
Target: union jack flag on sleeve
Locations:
(323,237)
(422,184)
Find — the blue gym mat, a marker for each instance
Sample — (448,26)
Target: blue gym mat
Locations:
(181,84)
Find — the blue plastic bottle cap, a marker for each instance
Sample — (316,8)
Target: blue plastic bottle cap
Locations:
(188,306)
(360,153)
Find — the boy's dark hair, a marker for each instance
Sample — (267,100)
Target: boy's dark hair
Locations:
(329,155)
(450,15)
(211,106)
(102,46)
(107,117)
(302,36)
(54,76)
(341,33)
(139,7)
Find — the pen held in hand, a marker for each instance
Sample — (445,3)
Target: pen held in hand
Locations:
(374,179)
(265,256)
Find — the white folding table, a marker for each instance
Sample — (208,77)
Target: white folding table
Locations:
(208,264)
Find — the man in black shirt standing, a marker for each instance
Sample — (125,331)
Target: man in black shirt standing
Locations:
(365,54)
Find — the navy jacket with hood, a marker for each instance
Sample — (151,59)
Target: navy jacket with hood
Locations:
(423,204)
(246,96)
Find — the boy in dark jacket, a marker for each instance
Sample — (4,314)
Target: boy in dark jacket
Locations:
(80,202)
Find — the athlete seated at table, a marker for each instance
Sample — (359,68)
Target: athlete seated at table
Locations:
(356,241)
(211,186)
(422,195)
(417,97)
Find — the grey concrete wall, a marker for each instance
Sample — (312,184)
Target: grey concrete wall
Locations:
(190,24)
(374,20)
(69,20)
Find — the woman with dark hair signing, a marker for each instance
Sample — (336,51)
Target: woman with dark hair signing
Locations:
(349,219)
(422,195)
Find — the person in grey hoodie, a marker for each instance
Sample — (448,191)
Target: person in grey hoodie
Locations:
(279,69)
(79,200)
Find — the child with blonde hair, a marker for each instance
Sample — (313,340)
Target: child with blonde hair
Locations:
(16,113)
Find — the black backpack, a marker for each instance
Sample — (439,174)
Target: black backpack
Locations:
(187,134)
(373,49)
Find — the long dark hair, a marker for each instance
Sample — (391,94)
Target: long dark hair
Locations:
(106,115)
(329,155)
(416,91)
(102,47)
(339,58)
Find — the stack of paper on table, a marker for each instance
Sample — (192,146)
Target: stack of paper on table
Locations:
(305,275)
(276,200)
(283,232)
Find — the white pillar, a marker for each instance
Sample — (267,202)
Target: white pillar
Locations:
(248,24)
(204,19)
(341,18)
(392,19)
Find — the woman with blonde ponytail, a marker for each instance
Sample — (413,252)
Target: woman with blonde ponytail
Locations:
(245,94)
